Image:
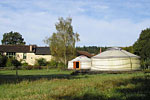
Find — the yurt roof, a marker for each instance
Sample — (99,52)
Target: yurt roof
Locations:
(115,53)
(81,58)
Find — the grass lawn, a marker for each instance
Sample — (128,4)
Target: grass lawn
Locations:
(60,85)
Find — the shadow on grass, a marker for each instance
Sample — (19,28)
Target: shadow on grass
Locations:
(140,91)
(86,96)
(12,79)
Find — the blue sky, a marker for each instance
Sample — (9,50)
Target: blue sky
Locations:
(99,22)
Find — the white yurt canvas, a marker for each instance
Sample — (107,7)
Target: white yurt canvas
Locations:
(81,62)
(115,59)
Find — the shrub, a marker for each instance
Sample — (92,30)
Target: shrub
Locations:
(61,65)
(25,64)
(37,67)
(145,63)
(29,67)
(9,62)
(3,61)
(52,64)
(41,62)
(15,62)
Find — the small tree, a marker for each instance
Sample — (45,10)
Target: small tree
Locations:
(16,63)
(12,38)
(62,43)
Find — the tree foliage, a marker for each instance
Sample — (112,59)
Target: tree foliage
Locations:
(129,49)
(12,38)
(3,60)
(91,49)
(15,62)
(142,45)
(62,43)
(41,62)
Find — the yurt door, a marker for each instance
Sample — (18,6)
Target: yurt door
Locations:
(76,65)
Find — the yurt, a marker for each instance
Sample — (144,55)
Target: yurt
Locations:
(115,59)
(81,62)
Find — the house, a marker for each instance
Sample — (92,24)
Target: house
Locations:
(26,53)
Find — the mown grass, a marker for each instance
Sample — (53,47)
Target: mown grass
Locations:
(60,85)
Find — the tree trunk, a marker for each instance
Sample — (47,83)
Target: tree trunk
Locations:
(65,51)
(17,72)
(65,60)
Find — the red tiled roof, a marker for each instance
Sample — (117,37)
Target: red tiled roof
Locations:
(85,53)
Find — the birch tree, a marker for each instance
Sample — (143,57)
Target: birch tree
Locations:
(62,43)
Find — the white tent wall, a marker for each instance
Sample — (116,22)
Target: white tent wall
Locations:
(85,65)
(115,59)
(70,65)
(136,64)
(85,62)
(115,64)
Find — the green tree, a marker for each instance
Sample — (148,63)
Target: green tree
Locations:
(129,49)
(12,38)
(62,43)
(142,47)
(16,64)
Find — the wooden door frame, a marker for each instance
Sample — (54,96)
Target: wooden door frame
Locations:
(74,65)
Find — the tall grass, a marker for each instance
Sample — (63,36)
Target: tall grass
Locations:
(60,85)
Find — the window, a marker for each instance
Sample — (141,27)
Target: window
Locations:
(11,54)
(24,55)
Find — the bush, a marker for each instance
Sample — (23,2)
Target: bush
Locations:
(9,62)
(3,61)
(61,65)
(29,67)
(15,62)
(41,62)
(37,67)
(12,62)
(52,64)
(25,64)
(145,64)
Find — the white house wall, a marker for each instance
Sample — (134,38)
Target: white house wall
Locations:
(31,57)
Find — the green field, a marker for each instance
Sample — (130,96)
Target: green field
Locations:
(60,85)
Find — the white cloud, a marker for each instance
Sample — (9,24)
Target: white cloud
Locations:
(121,32)
(36,19)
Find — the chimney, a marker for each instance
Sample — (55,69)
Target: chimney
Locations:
(100,50)
(30,48)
